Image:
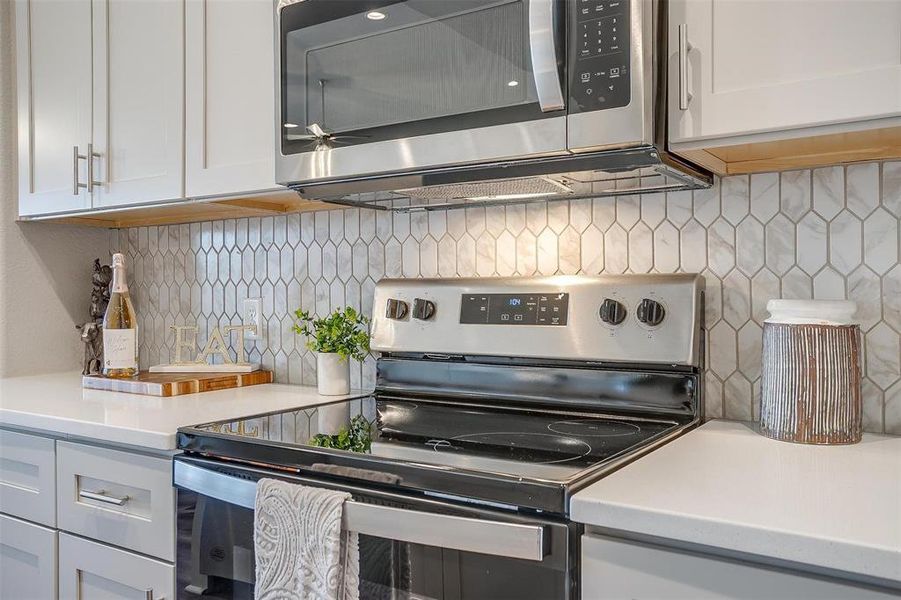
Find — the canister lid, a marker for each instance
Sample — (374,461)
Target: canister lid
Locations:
(820,312)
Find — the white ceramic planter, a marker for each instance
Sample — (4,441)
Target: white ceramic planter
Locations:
(332,418)
(332,374)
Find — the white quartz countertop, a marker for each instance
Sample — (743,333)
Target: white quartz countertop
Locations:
(723,485)
(56,403)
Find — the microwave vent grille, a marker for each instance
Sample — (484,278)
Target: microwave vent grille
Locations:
(506,189)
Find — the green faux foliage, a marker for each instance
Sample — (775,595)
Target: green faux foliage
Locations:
(356,438)
(343,332)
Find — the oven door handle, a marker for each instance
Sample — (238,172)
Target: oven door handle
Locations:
(543,48)
(511,540)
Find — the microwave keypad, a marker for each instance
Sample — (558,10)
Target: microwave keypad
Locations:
(599,40)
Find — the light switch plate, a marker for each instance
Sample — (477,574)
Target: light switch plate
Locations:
(253,315)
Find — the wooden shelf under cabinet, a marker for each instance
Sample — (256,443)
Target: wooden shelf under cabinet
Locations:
(191,211)
(797,153)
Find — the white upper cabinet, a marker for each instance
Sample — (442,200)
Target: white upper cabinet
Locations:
(54,103)
(229,102)
(138,100)
(757,66)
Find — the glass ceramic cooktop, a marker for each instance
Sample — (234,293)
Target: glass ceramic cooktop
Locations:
(544,445)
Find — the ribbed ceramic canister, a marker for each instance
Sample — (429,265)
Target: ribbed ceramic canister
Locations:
(810,382)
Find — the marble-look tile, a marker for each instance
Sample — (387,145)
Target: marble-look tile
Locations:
(862,188)
(721,247)
(616,250)
(765,196)
(892,410)
(880,240)
(810,253)
(735,192)
(750,348)
(736,299)
(749,241)
(891,187)
(749,246)
(723,356)
(737,396)
(829,285)
(666,248)
(779,244)
(883,346)
(641,249)
(693,247)
(828,191)
(795,194)
(706,204)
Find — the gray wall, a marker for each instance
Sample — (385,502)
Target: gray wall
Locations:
(827,233)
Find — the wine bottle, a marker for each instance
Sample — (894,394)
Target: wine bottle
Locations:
(120,327)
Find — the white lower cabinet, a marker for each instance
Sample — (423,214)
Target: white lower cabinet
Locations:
(27,560)
(92,571)
(614,569)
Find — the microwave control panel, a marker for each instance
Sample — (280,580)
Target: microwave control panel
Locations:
(599,37)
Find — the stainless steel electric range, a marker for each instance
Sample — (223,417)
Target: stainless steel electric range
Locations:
(495,400)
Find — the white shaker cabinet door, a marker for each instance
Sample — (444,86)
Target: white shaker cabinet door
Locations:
(53,59)
(138,101)
(92,571)
(755,66)
(229,97)
(27,560)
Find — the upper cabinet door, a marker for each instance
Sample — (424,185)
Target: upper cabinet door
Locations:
(54,103)
(229,97)
(138,101)
(754,66)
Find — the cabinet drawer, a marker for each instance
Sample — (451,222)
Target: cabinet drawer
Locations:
(27,560)
(91,571)
(117,497)
(614,569)
(28,477)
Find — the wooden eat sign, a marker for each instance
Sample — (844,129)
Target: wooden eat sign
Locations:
(188,359)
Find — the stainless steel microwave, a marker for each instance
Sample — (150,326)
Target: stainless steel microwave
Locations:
(449,102)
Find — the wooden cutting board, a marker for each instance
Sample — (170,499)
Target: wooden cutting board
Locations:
(176,384)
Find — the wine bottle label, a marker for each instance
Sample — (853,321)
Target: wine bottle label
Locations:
(120,348)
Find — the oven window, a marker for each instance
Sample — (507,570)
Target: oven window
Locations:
(215,560)
(370,71)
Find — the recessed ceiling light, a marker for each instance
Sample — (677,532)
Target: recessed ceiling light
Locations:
(290,125)
(375,15)
(513,83)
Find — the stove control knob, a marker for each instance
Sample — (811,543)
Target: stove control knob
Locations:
(650,312)
(396,309)
(423,309)
(612,312)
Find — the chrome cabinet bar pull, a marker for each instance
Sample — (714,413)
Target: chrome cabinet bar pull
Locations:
(467,534)
(75,158)
(91,155)
(543,50)
(148,595)
(684,48)
(101,496)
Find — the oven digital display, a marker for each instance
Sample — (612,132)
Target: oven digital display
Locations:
(515,309)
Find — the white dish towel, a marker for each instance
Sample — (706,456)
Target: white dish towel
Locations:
(301,551)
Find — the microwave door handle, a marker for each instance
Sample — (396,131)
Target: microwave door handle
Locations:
(511,540)
(543,49)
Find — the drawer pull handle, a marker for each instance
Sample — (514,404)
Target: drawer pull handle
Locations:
(101,496)
(148,595)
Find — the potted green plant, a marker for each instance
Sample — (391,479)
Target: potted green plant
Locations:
(335,339)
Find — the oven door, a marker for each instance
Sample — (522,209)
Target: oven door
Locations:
(409,548)
(387,86)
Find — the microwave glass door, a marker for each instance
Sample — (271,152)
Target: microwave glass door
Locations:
(358,72)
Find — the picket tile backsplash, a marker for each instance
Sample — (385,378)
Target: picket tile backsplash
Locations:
(825,233)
